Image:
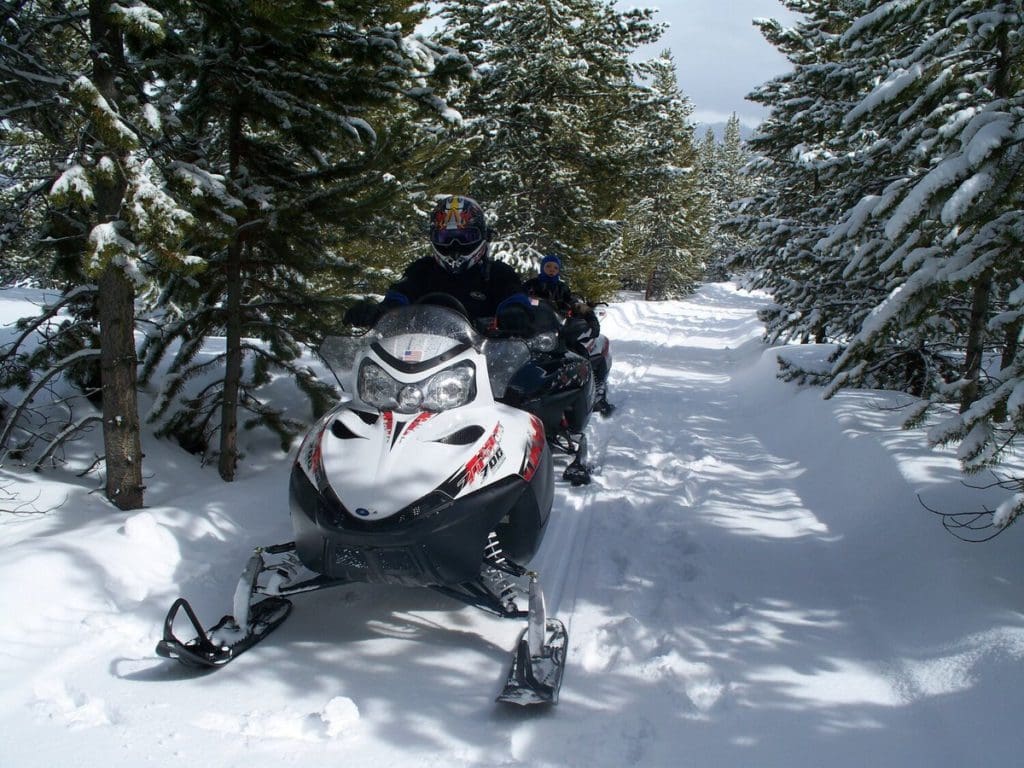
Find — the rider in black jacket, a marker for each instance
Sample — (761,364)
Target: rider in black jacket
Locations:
(460,267)
(548,285)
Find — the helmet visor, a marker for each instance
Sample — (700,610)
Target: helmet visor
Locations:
(456,241)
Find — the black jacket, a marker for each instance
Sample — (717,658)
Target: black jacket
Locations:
(481,288)
(563,300)
(555,291)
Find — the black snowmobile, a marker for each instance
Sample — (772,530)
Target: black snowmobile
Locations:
(600,351)
(426,476)
(557,384)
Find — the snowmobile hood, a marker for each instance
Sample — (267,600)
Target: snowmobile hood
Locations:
(422,418)
(377,464)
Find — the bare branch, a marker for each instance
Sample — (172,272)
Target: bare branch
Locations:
(63,436)
(972,527)
(61,365)
(13,506)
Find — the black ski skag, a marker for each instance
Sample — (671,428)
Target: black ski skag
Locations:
(226,640)
(535,676)
(536,679)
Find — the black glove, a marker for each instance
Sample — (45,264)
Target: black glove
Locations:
(515,319)
(363,314)
(573,330)
(585,311)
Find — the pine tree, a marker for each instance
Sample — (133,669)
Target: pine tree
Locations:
(920,148)
(292,136)
(802,158)
(73,94)
(667,218)
(950,111)
(729,185)
(548,118)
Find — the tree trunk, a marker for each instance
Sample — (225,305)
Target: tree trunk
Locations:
(975,347)
(1011,336)
(228,461)
(121,439)
(1011,343)
(233,364)
(116,303)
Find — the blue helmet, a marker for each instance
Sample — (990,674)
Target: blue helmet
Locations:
(550,276)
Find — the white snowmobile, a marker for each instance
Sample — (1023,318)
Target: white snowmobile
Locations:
(421,478)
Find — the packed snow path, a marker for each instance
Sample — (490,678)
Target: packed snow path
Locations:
(749,580)
(743,592)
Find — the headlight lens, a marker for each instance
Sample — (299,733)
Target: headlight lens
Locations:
(377,388)
(446,389)
(543,342)
(450,388)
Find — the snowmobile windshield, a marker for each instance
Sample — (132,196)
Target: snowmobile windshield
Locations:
(419,342)
(427,320)
(504,358)
(417,333)
(339,352)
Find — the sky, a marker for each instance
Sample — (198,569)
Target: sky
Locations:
(750,579)
(719,53)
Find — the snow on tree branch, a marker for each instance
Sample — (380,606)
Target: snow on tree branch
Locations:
(73,186)
(108,123)
(139,20)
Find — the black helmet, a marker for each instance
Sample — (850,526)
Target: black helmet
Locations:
(458,232)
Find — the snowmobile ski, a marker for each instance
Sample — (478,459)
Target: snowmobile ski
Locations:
(226,640)
(536,679)
(603,407)
(578,471)
(577,474)
(258,607)
(538,660)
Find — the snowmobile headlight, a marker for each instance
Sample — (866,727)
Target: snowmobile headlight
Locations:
(449,388)
(410,399)
(543,342)
(377,388)
(446,389)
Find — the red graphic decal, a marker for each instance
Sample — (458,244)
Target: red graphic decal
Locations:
(480,463)
(311,455)
(534,449)
(420,420)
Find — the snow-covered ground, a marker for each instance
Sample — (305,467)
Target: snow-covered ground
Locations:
(750,580)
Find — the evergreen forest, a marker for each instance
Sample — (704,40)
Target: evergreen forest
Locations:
(179,171)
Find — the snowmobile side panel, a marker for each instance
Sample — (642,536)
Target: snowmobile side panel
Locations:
(552,388)
(522,529)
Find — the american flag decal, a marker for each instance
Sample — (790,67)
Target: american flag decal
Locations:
(412,356)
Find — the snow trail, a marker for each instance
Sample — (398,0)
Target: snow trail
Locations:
(724,609)
(748,580)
